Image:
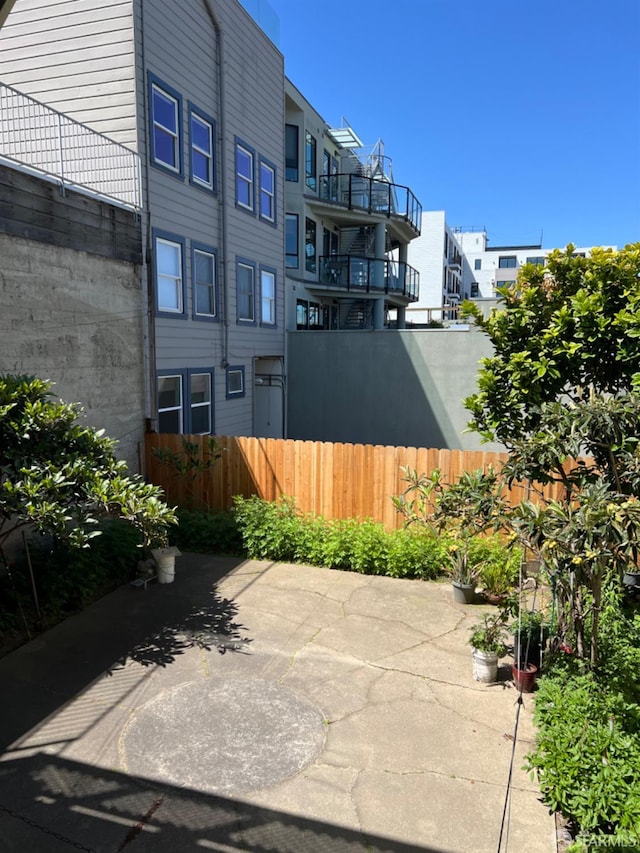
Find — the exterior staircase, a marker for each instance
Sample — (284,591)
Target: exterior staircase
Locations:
(359,315)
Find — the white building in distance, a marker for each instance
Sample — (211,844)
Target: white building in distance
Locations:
(458,263)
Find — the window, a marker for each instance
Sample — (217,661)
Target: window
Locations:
(200,403)
(329,242)
(267,296)
(165,108)
(203,273)
(291,241)
(201,137)
(310,245)
(235,381)
(477,264)
(291,152)
(310,170)
(267,191)
(315,316)
(185,401)
(475,290)
(170,404)
(244,176)
(311,315)
(302,314)
(245,291)
(537,261)
(169,274)
(507,262)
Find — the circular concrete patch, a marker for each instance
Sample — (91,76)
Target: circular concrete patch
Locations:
(223,736)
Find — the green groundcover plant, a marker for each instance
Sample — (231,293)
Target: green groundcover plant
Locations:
(276,530)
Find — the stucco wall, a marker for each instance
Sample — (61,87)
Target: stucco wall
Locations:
(391,387)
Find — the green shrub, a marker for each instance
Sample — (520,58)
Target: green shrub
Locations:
(587,756)
(270,530)
(499,564)
(68,578)
(208,532)
(416,554)
(276,531)
(619,659)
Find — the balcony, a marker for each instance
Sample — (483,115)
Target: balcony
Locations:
(47,142)
(358,192)
(359,274)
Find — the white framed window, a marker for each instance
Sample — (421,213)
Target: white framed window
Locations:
(204,283)
(200,403)
(201,138)
(267,297)
(267,191)
(169,276)
(245,291)
(170,409)
(165,121)
(235,381)
(244,177)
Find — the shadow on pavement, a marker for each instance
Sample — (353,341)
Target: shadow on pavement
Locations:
(49,804)
(151,627)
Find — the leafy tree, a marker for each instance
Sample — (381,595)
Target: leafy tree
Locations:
(59,477)
(561,393)
(565,328)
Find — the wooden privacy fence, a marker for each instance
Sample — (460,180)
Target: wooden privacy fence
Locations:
(334,480)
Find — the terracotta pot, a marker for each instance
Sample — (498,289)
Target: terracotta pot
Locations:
(525,678)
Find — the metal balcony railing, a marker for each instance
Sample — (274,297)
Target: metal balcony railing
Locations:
(370,275)
(361,193)
(50,142)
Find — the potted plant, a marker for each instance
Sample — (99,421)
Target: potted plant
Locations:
(462,510)
(487,646)
(530,637)
(462,571)
(156,542)
(165,557)
(499,570)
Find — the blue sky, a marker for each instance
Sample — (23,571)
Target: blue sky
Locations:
(522,116)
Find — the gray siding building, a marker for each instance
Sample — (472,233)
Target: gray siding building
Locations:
(197,90)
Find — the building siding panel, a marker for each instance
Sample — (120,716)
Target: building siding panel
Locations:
(77,57)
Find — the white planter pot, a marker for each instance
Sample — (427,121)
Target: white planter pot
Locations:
(485,666)
(166,562)
(166,569)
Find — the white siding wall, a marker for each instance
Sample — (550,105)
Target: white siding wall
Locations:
(426,254)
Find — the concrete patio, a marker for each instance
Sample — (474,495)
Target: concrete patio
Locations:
(263,707)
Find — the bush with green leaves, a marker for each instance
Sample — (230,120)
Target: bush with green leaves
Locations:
(499,565)
(68,578)
(587,756)
(59,477)
(213,532)
(277,531)
(471,505)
